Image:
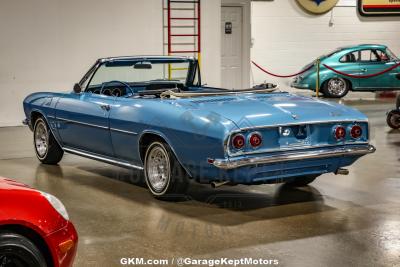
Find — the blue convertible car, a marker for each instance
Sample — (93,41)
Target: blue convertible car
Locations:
(153,114)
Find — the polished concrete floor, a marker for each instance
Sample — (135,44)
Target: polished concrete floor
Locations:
(349,220)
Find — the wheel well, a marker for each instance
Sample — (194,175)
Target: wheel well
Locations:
(34,237)
(34,116)
(145,140)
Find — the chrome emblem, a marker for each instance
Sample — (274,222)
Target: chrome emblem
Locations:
(286,132)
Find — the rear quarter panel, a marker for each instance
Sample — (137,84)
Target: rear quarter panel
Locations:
(193,134)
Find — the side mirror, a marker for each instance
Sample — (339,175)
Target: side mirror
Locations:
(77,88)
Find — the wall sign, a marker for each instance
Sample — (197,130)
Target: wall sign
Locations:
(379,7)
(228,27)
(317,6)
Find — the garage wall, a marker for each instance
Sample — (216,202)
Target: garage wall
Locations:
(286,38)
(47,45)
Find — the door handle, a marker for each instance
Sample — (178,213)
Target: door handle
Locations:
(364,70)
(105,107)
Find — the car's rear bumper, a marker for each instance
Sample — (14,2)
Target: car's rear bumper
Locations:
(63,245)
(325,153)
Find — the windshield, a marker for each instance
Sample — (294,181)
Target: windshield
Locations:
(143,72)
(391,55)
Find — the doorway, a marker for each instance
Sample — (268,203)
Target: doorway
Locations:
(232,71)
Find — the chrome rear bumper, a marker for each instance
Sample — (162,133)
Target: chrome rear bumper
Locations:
(237,162)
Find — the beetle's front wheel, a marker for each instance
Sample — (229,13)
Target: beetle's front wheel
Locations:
(165,177)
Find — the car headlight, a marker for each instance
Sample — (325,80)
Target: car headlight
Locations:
(56,204)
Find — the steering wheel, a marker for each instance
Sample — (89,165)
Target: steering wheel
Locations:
(123,83)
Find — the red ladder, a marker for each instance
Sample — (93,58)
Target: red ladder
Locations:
(182,25)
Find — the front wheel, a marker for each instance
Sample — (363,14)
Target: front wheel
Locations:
(393,119)
(48,151)
(17,250)
(302,181)
(165,177)
(336,87)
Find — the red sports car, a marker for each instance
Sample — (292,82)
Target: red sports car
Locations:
(34,228)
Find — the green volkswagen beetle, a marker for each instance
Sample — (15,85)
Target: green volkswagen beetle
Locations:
(358,61)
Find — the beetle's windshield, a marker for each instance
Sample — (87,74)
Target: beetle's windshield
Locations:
(141,72)
(391,55)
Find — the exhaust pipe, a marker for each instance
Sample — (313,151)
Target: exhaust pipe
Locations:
(342,171)
(218,184)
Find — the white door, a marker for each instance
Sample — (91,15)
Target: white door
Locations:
(231,47)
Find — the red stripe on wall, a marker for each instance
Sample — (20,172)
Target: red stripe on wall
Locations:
(381,6)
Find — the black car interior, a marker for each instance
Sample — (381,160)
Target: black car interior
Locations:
(121,89)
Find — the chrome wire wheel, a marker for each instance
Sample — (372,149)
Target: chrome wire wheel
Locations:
(337,86)
(158,168)
(41,139)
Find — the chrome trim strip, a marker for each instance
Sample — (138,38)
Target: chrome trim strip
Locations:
(296,124)
(100,158)
(233,163)
(83,123)
(123,131)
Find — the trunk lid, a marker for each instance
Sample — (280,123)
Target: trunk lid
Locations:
(254,110)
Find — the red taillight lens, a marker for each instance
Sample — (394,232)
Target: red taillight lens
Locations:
(356,132)
(238,141)
(255,140)
(340,133)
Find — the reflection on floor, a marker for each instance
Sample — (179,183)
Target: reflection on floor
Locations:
(338,221)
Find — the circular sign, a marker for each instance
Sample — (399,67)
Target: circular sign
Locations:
(318,6)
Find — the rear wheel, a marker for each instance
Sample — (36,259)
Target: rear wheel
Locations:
(165,177)
(302,181)
(48,151)
(393,119)
(336,87)
(18,251)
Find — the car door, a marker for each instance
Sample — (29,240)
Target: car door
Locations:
(83,122)
(125,125)
(373,62)
(349,64)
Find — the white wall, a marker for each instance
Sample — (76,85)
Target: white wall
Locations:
(286,38)
(47,45)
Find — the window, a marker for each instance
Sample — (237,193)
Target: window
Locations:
(382,56)
(368,55)
(126,72)
(350,57)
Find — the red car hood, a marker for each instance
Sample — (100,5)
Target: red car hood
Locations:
(8,184)
(21,204)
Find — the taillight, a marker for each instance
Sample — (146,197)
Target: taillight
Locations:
(255,140)
(356,132)
(238,141)
(340,133)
